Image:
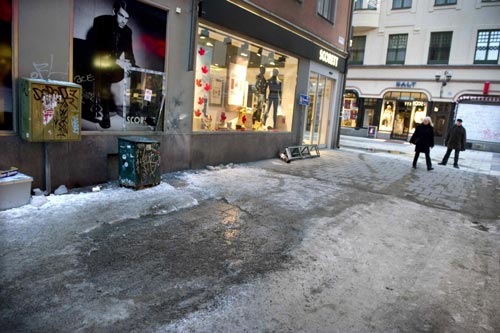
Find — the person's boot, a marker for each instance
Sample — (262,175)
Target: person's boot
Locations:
(456,166)
(441,163)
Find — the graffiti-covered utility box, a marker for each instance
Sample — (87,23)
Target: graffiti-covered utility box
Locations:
(139,162)
(50,110)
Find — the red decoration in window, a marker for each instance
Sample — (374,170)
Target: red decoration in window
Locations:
(223,116)
(198,83)
(204,70)
(207,86)
(201,51)
(201,100)
(197,113)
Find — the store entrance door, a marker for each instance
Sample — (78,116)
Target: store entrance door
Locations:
(441,119)
(402,121)
(316,122)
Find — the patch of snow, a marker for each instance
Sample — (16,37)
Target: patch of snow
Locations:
(61,190)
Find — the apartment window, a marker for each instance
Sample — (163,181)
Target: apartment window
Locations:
(439,47)
(396,50)
(401,4)
(487,47)
(358,4)
(357,50)
(326,9)
(445,2)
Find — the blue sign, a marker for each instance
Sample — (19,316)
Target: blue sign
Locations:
(304,99)
(406,84)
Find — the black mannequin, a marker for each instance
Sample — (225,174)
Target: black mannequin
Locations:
(260,88)
(274,97)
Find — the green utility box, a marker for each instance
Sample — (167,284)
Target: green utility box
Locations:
(50,111)
(139,162)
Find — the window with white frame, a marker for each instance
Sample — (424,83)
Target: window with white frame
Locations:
(396,50)
(487,47)
(401,4)
(326,9)
(439,47)
(445,2)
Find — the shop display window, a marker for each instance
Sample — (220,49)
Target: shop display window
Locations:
(350,110)
(402,112)
(6,108)
(369,105)
(242,86)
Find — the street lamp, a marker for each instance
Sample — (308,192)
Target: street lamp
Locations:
(444,79)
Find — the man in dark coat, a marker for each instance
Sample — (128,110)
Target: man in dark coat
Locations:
(455,140)
(109,39)
(423,139)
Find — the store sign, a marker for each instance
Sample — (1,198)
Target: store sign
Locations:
(328,58)
(406,84)
(304,99)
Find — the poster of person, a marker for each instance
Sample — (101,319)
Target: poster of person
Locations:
(118,44)
(6,119)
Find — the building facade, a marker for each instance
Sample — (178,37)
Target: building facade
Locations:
(214,81)
(417,58)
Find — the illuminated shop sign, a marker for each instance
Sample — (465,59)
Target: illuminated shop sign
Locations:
(406,84)
(328,58)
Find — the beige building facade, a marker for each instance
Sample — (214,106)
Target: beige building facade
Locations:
(413,58)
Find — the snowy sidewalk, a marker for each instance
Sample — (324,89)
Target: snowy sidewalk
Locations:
(349,242)
(470,160)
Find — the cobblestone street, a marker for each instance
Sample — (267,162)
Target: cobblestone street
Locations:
(348,242)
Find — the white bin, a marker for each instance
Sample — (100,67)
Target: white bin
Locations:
(15,191)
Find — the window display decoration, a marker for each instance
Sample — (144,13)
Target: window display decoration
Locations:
(241,86)
(350,110)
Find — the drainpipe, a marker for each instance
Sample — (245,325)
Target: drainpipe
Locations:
(345,74)
(192,37)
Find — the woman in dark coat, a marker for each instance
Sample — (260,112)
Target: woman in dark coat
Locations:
(423,139)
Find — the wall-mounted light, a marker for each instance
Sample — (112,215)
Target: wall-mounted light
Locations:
(282,58)
(444,78)
(259,52)
(204,34)
(271,58)
(227,40)
(244,50)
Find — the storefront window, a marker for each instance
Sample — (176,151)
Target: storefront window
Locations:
(369,105)
(242,86)
(401,112)
(350,110)
(6,108)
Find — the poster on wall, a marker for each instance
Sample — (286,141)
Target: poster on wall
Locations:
(237,87)
(6,119)
(111,39)
(481,121)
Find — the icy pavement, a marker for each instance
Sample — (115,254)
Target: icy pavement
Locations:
(344,243)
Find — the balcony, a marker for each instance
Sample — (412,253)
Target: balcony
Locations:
(366,15)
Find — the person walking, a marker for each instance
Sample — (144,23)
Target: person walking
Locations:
(423,139)
(455,140)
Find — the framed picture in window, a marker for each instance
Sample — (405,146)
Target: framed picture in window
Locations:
(216,89)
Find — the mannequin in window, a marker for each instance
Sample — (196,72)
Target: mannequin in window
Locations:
(387,116)
(260,89)
(274,97)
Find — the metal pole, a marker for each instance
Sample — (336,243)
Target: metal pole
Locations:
(48,186)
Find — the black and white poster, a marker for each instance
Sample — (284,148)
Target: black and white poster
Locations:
(119,59)
(6,119)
